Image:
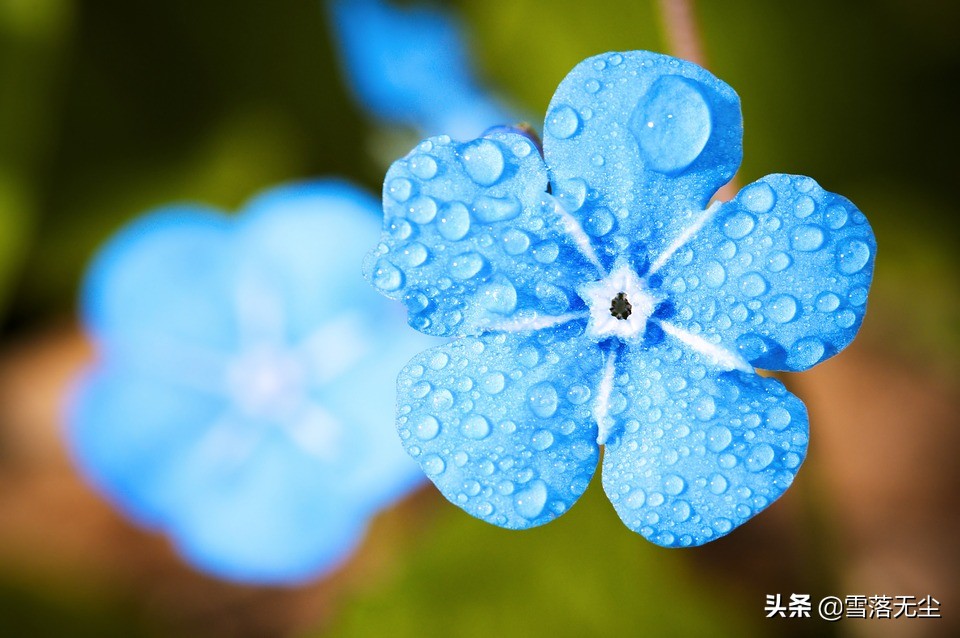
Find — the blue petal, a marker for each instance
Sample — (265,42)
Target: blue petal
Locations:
(277,519)
(166,278)
(699,452)
(502,424)
(126,432)
(471,240)
(410,66)
(649,138)
(780,273)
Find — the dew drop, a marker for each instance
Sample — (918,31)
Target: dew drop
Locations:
(705,407)
(718,438)
(400,189)
(714,275)
(807,237)
(852,256)
(426,428)
(466,265)
(806,352)
(454,223)
(423,166)
(782,309)
(475,426)
(753,284)
(530,502)
(836,216)
(778,418)
(759,458)
(828,302)
(636,499)
(563,122)
(493,383)
(739,225)
(542,440)
(672,124)
(578,394)
(758,198)
(433,465)
(778,261)
(515,242)
(499,296)
(592,86)
(804,206)
(717,483)
(489,209)
(543,400)
(483,161)
(386,276)
(673,484)
(422,209)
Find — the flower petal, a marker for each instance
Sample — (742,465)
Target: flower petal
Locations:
(780,273)
(637,143)
(698,452)
(166,278)
(409,65)
(472,241)
(502,424)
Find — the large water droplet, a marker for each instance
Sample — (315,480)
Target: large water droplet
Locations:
(422,209)
(778,261)
(852,256)
(753,284)
(483,160)
(573,193)
(672,124)
(705,407)
(530,502)
(739,225)
(454,223)
(515,242)
(400,189)
(807,237)
(412,255)
(563,122)
(423,166)
(673,484)
(760,457)
(541,440)
(778,417)
(636,499)
(433,465)
(718,438)
(714,275)
(496,209)
(782,309)
(828,302)
(386,276)
(493,383)
(542,399)
(836,216)
(499,296)
(758,198)
(806,352)
(717,483)
(426,427)
(475,426)
(466,265)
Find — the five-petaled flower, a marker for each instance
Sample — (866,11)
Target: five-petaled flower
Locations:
(600,301)
(242,400)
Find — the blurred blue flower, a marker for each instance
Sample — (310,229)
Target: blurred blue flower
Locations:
(600,301)
(244,394)
(410,66)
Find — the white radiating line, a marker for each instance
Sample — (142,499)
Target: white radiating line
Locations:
(601,407)
(570,225)
(684,237)
(717,354)
(536,323)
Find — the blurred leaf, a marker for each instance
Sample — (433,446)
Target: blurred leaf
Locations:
(582,575)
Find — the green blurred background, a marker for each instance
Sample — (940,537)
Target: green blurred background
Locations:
(109,107)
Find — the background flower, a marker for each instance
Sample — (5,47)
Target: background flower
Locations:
(242,401)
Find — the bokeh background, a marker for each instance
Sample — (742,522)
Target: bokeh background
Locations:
(109,107)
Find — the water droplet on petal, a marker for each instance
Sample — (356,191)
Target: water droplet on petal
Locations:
(483,160)
(717,483)
(426,428)
(563,122)
(386,276)
(778,418)
(433,465)
(672,124)
(836,216)
(496,209)
(542,439)
(515,242)
(778,261)
(475,426)
(806,352)
(760,457)
(499,296)
(705,408)
(718,438)
(673,484)
(493,383)
(423,166)
(758,198)
(466,265)
(543,400)
(400,189)
(739,225)
(530,502)
(753,284)
(807,237)
(454,223)
(828,302)
(714,275)
(782,309)
(636,499)
(422,209)
(852,256)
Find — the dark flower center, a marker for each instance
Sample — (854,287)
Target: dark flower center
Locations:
(620,307)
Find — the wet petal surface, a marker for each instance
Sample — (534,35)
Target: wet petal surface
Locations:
(697,452)
(780,274)
(637,143)
(503,424)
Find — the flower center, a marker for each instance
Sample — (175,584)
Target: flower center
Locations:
(620,307)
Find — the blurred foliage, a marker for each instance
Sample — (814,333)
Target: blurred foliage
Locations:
(583,575)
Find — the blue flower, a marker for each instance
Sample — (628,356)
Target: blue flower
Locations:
(599,300)
(243,392)
(411,67)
